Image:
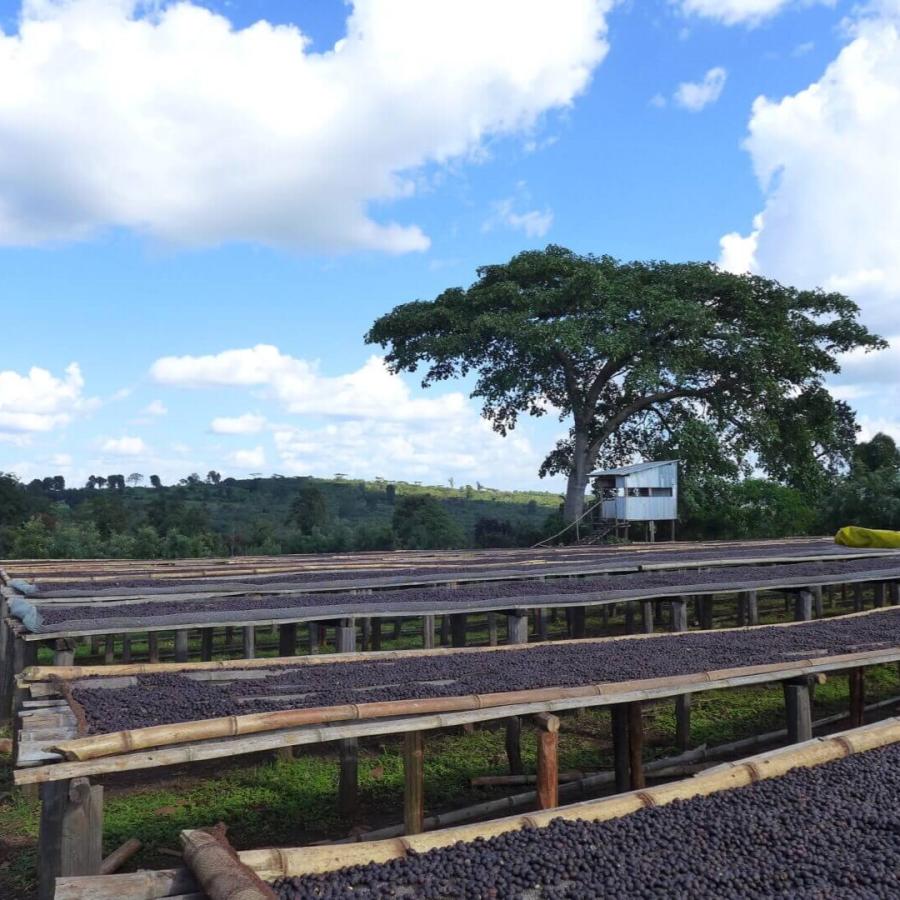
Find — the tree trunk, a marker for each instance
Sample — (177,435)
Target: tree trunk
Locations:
(578,478)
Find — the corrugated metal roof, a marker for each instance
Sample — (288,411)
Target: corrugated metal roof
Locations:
(636,467)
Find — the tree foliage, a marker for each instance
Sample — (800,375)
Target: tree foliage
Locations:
(630,353)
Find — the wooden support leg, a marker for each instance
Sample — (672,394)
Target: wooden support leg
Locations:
(857,696)
(878,593)
(95,644)
(893,593)
(346,636)
(636,745)
(312,636)
(229,636)
(741,610)
(428,632)
(109,649)
(818,606)
(547,760)
(492,629)
(71,832)
(63,652)
(857,597)
(445,631)
(621,760)
(707,609)
(798,708)
(348,785)
(458,629)
(206,644)
(679,614)
(398,628)
(366,636)
(540,624)
(751,603)
(126,648)
(153,646)
(413,782)
(803,605)
(647,617)
(517,627)
(181,645)
(578,622)
(376,633)
(287,639)
(249,635)
(629,617)
(514,745)
(683,702)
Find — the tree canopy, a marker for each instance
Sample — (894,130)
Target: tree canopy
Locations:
(632,353)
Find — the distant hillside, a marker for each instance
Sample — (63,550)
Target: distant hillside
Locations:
(264,515)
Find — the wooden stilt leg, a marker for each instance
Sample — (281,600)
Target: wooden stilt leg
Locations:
(458,629)
(636,745)
(893,588)
(181,645)
(752,605)
(428,632)
(63,652)
(349,753)
(619,715)
(287,639)
(376,634)
(818,606)
(803,605)
(366,636)
(312,636)
(857,696)
(517,627)
(629,617)
(445,631)
(683,702)
(206,644)
(71,832)
(647,617)
(798,708)
(547,760)
(109,649)
(878,592)
(492,629)
(578,622)
(126,648)
(249,636)
(153,646)
(514,745)
(540,624)
(413,782)
(857,597)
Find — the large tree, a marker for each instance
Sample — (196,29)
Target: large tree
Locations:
(630,352)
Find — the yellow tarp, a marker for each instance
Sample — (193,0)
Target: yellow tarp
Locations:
(855,536)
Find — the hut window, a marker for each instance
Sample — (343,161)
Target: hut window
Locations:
(661,492)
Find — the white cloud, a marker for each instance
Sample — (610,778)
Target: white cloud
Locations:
(155,408)
(193,131)
(533,222)
(741,12)
(300,388)
(697,95)
(39,401)
(249,423)
(63,460)
(827,161)
(125,446)
(248,459)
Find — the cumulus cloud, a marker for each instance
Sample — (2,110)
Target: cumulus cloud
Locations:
(697,95)
(826,159)
(299,386)
(533,222)
(741,12)
(125,446)
(155,408)
(39,401)
(190,130)
(248,459)
(249,423)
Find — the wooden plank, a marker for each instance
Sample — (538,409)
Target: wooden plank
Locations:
(413,782)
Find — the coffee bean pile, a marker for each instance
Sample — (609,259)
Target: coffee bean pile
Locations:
(58,618)
(159,699)
(546,561)
(832,831)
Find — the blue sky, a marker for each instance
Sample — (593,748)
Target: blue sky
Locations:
(184,189)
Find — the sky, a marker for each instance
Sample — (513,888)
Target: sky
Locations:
(204,206)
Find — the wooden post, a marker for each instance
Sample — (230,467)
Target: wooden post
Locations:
(540,624)
(348,789)
(70,838)
(578,622)
(153,646)
(492,628)
(376,633)
(206,644)
(857,696)
(683,701)
(458,629)
(312,636)
(621,760)
(798,708)
(818,606)
(366,637)
(706,608)
(229,636)
(413,782)
(857,597)
(547,760)
(803,605)
(287,639)
(517,626)
(878,593)
(893,593)
(636,745)
(751,607)
(629,617)
(126,648)
(514,745)
(445,631)
(249,635)
(181,645)
(109,649)
(63,652)
(398,629)
(427,634)
(647,616)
